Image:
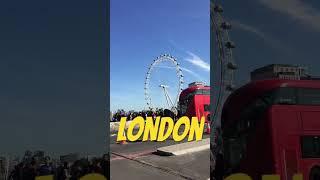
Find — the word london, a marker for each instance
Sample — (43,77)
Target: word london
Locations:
(155,131)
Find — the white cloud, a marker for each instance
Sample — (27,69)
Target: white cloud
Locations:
(192,73)
(175,45)
(265,37)
(250,29)
(185,70)
(197,61)
(297,10)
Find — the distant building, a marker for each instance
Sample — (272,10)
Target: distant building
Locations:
(279,71)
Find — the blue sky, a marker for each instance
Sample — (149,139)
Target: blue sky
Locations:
(52,74)
(274,31)
(142,30)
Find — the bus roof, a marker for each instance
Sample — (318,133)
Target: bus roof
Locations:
(245,94)
(191,89)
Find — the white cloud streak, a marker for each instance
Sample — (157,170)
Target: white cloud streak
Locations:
(192,73)
(250,29)
(265,37)
(175,45)
(197,61)
(297,10)
(184,69)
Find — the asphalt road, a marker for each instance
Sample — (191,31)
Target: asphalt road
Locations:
(136,161)
(189,166)
(140,146)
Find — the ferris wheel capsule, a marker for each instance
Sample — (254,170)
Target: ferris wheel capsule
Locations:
(230,44)
(232,66)
(225,25)
(218,8)
(230,87)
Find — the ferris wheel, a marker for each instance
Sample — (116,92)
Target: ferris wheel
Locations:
(223,62)
(223,68)
(171,103)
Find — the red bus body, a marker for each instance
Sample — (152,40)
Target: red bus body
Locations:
(262,135)
(194,101)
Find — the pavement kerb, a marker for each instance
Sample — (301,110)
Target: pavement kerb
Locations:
(184,148)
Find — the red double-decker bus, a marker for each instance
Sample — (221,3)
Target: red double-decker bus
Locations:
(273,127)
(194,101)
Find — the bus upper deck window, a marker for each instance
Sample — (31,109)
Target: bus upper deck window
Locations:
(309,96)
(285,96)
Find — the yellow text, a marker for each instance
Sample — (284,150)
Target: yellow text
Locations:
(161,129)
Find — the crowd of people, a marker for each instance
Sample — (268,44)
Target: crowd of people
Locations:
(28,170)
(116,116)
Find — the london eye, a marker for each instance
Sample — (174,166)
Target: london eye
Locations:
(162,85)
(223,68)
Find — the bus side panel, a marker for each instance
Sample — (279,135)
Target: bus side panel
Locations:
(275,157)
(198,99)
(191,108)
(310,120)
(285,127)
(258,160)
(310,126)
(199,102)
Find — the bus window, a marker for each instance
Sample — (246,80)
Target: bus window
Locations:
(201,92)
(301,96)
(252,112)
(204,92)
(183,106)
(233,151)
(285,96)
(309,96)
(236,136)
(310,146)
